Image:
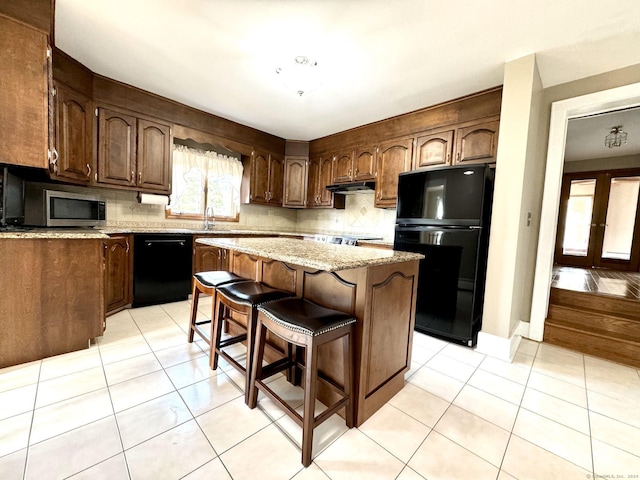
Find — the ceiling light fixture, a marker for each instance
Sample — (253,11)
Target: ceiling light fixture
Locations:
(301,76)
(616,137)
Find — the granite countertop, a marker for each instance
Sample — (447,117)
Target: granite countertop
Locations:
(321,256)
(54,233)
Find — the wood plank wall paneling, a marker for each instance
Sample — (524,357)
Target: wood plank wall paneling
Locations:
(71,72)
(479,105)
(36,13)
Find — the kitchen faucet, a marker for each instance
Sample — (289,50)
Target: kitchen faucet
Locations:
(209,213)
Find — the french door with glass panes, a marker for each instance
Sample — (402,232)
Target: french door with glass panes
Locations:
(598,221)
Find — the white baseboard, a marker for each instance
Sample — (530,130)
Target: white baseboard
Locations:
(500,347)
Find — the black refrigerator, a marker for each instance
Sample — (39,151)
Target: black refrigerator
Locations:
(444,213)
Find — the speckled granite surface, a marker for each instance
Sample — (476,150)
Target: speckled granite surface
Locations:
(45,233)
(321,256)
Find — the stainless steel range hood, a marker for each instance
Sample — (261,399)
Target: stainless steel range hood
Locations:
(353,187)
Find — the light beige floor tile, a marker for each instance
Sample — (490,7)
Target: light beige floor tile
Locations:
(556,409)
(463,354)
(74,451)
(395,431)
(620,435)
(526,461)
(272,456)
(439,458)
(156,326)
(179,354)
(68,386)
(68,363)
(230,424)
(355,455)
(507,370)
(623,410)
(16,401)
(291,394)
(487,406)
(611,462)
(160,341)
(419,404)
(139,390)
(421,355)
(15,433)
(12,465)
(437,383)
(554,437)
(183,449)
(122,350)
(19,375)
(451,367)
(483,438)
(608,377)
(114,468)
(558,388)
(409,474)
(214,470)
(560,368)
(312,472)
(142,312)
(140,423)
(528,347)
(523,360)
(505,476)
(69,414)
(190,372)
(553,352)
(414,367)
(133,367)
(428,341)
(498,386)
(209,394)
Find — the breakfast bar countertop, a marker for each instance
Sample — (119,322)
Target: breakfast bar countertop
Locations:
(306,253)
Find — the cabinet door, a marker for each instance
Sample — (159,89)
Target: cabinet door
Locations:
(117,272)
(24,95)
(364,164)
(433,150)
(259,178)
(276,179)
(206,258)
(116,148)
(295,181)
(313,182)
(342,167)
(326,172)
(477,143)
(154,156)
(392,158)
(73,135)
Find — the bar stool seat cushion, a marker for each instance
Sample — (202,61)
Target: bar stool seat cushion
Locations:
(217,278)
(251,293)
(302,316)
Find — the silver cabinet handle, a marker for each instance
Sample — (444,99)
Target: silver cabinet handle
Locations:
(88,170)
(127,242)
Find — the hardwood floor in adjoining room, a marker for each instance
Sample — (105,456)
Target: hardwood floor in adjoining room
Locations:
(597,280)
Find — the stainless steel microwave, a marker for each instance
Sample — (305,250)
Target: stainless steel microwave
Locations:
(54,208)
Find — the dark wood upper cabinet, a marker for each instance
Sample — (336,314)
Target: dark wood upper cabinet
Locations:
(342,167)
(295,181)
(326,198)
(265,176)
(313,181)
(73,121)
(364,164)
(116,148)
(133,152)
(154,155)
(392,158)
(434,149)
(477,142)
(24,96)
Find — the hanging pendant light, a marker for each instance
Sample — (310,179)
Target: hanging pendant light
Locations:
(616,138)
(302,75)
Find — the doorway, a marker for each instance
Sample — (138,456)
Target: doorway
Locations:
(598,220)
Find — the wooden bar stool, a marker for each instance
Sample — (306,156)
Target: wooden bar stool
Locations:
(207,282)
(305,324)
(239,299)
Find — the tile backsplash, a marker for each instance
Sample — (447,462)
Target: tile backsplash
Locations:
(358,217)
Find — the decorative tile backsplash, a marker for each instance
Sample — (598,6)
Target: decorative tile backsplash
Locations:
(358,217)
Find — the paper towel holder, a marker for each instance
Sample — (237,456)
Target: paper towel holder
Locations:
(152,199)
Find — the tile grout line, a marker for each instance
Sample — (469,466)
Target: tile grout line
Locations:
(33,415)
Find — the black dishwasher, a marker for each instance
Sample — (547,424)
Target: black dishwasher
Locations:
(161,268)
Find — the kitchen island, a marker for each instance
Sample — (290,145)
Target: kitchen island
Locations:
(376,286)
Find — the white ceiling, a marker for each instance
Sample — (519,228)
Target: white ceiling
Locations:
(379,58)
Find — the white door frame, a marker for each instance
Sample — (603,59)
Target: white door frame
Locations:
(561,112)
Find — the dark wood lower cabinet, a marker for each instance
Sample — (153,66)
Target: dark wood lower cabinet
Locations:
(118,272)
(382,298)
(53,291)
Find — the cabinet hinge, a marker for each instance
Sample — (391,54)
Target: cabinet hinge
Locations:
(96,112)
(54,91)
(48,52)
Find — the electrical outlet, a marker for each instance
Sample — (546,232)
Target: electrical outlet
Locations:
(271,213)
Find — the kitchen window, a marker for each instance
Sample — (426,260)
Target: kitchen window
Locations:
(204,179)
